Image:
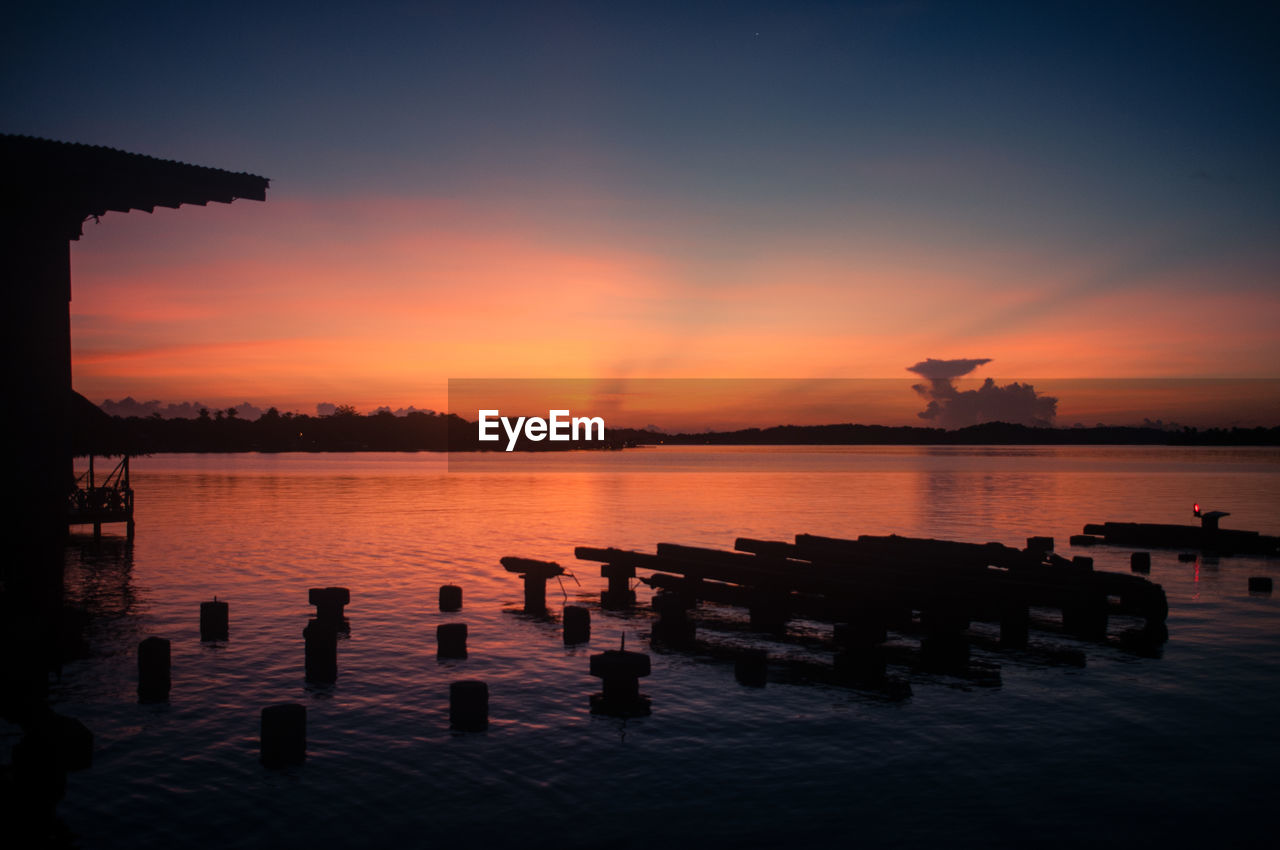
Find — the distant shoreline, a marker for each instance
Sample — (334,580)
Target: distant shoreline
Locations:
(448,433)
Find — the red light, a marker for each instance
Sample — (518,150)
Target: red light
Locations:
(1197,509)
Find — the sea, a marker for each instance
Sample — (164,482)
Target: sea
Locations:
(1063,744)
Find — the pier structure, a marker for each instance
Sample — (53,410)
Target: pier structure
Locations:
(535,575)
(1206,537)
(96,501)
(872,585)
(48,190)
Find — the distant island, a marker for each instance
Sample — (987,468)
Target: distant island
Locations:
(348,431)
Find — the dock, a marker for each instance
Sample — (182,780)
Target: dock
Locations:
(94,501)
(1207,537)
(879,584)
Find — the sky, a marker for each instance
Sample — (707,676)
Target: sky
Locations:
(1073,192)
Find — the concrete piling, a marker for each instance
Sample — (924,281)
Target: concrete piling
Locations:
(620,671)
(1040,545)
(450,598)
(329,602)
(535,575)
(214,620)
(283,734)
(451,640)
(535,594)
(321,652)
(469,705)
(619,593)
(153,670)
(577,624)
(1259,584)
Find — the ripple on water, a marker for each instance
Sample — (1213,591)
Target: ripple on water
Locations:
(1064,741)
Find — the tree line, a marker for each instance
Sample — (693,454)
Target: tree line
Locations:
(346,430)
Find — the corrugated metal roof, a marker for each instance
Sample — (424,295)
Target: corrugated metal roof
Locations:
(61,184)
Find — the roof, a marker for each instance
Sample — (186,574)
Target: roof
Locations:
(61,184)
(94,432)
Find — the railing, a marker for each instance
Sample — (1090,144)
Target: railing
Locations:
(110,500)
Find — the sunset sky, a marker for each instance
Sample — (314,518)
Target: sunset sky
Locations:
(698,190)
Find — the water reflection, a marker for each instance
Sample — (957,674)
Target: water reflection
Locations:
(259,531)
(98,585)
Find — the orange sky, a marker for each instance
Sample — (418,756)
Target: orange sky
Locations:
(378,301)
(777,190)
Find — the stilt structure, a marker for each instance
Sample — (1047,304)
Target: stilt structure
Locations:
(95,501)
(48,190)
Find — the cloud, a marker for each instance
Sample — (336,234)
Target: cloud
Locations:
(402,411)
(952,408)
(945,370)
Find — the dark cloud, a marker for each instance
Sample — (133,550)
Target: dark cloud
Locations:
(945,370)
(403,411)
(952,408)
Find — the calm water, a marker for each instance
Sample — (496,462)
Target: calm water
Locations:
(1065,743)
